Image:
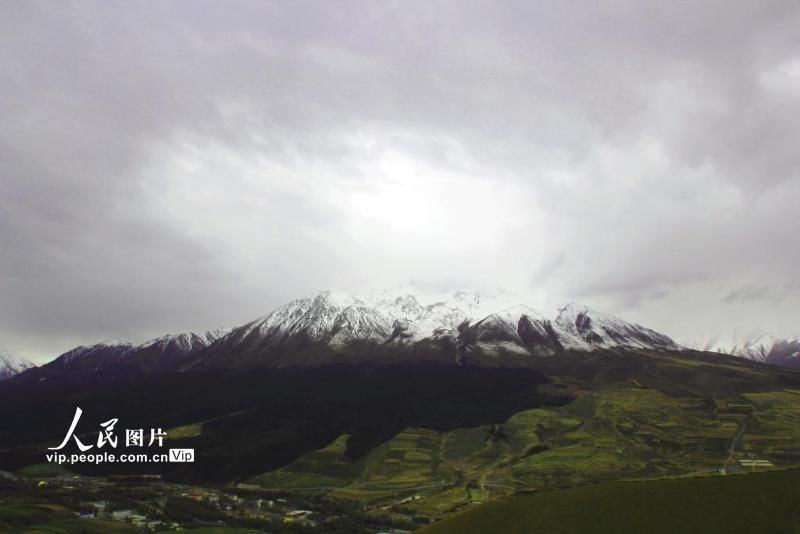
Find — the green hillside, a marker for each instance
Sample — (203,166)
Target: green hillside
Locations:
(632,422)
(748,503)
(412,443)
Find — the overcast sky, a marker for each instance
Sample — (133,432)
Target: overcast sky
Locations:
(171,166)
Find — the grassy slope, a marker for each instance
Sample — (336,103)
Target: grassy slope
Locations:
(751,503)
(654,421)
(636,416)
(53,519)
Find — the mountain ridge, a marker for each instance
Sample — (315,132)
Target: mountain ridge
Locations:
(466,326)
(461,325)
(12,365)
(761,347)
(117,358)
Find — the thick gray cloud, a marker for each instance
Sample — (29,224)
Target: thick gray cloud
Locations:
(169,166)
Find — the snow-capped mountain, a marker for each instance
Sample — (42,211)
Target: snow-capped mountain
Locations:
(433,314)
(405,322)
(469,322)
(331,317)
(177,344)
(121,358)
(761,347)
(11,365)
(338,318)
(588,329)
(170,345)
(519,329)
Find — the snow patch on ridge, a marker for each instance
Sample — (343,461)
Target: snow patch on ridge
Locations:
(405,315)
(11,364)
(757,346)
(329,316)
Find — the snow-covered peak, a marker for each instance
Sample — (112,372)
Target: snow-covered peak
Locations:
(406,307)
(331,316)
(11,364)
(111,351)
(187,341)
(759,346)
(486,322)
(573,309)
(336,299)
(514,313)
(587,328)
(113,343)
(407,314)
(431,314)
(738,343)
(217,333)
(106,350)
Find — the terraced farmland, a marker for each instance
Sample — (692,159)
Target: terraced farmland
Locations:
(623,431)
